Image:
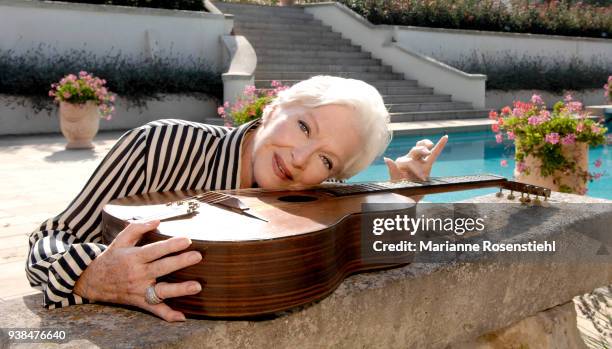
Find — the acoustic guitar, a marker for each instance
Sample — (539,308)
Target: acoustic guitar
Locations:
(266,251)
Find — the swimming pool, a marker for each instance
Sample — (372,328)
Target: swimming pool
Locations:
(477,152)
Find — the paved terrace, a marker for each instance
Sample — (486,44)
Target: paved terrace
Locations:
(39,178)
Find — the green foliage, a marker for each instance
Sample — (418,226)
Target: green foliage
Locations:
(189,5)
(250,105)
(137,78)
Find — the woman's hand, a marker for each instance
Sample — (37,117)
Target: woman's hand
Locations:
(417,164)
(122,273)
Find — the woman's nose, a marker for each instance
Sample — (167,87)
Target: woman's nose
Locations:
(300,156)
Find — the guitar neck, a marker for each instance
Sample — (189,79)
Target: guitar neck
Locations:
(436,185)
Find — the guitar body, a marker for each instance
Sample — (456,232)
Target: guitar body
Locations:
(267,251)
(307,245)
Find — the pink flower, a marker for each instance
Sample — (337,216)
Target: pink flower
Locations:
(598,163)
(552,138)
(221,111)
(510,135)
(492,115)
(495,128)
(569,139)
(544,115)
(66,95)
(595,129)
(82,74)
(51,94)
(499,138)
(500,121)
(521,166)
(597,175)
(517,112)
(249,90)
(534,120)
(226,104)
(276,83)
(580,127)
(537,99)
(574,106)
(71,78)
(568,97)
(503,163)
(506,110)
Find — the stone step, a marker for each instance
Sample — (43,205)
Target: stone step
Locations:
(379,84)
(298,59)
(298,48)
(263,15)
(417,98)
(394,91)
(312,54)
(244,8)
(323,68)
(438,115)
(327,39)
(272,75)
(239,19)
(425,106)
(408,98)
(282,28)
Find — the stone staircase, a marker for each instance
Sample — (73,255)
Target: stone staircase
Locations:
(291,46)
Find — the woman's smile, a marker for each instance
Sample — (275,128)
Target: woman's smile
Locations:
(280,169)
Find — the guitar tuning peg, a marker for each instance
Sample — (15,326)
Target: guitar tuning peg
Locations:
(499,194)
(537,201)
(511,195)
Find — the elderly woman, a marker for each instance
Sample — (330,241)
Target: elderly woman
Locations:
(319,129)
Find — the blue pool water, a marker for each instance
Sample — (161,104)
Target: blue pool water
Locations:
(477,152)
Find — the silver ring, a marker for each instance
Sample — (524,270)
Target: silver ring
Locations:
(151,297)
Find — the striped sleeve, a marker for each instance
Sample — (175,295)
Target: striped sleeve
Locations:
(63,246)
(162,155)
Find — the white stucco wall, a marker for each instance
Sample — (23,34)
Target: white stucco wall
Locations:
(18,117)
(450,45)
(104,29)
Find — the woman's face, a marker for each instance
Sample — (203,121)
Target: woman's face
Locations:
(296,147)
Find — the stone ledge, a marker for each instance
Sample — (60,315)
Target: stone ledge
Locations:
(416,306)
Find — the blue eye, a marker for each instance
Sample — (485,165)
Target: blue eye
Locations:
(327,162)
(304,127)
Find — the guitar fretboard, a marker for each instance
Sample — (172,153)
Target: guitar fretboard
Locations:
(364,188)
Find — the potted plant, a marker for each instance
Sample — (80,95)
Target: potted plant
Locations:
(250,105)
(83,100)
(551,147)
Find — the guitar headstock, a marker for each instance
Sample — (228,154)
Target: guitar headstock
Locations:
(526,191)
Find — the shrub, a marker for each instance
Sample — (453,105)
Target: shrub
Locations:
(538,73)
(137,78)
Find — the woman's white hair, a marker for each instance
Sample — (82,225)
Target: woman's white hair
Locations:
(371,114)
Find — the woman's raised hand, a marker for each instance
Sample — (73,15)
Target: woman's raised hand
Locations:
(417,164)
(122,273)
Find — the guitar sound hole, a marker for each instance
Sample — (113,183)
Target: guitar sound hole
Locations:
(297,198)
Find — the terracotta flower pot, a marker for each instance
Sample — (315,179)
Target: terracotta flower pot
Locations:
(79,124)
(579,152)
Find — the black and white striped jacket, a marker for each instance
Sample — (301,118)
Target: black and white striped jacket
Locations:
(160,156)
